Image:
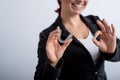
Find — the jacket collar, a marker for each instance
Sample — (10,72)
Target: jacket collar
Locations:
(59,23)
(89,21)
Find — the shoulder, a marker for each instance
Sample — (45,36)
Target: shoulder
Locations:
(48,29)
(93,18)
(53,26)
(90,20)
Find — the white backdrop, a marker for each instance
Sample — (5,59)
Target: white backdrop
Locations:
(21,21)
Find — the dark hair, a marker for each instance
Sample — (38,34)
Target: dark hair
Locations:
(59,9)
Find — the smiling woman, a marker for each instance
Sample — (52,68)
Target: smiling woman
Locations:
(82,55)
(20,24)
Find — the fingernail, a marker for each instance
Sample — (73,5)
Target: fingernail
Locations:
(98,20)
(103,19)
(58,27)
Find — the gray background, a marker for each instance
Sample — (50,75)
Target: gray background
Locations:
(21,21)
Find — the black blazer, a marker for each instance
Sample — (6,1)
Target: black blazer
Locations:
(76,63)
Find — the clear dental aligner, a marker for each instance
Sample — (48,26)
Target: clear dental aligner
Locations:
(95,37)
(63,41)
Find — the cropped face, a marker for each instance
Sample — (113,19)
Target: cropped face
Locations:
(73,6)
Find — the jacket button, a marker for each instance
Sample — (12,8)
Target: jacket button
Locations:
(95,73)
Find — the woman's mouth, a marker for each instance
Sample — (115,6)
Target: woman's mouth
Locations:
(77,5)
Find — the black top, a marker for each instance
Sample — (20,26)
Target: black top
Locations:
(76,63)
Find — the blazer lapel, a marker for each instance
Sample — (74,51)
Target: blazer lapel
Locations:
(59,23)
(90,21)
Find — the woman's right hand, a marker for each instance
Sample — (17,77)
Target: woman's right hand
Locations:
(53,49)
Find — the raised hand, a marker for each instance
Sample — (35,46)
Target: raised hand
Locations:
(107,43)
(53,49)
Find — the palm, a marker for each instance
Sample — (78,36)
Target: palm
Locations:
(53,49)
(107,42)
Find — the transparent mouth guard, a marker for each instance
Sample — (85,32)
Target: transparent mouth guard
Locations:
(63,41)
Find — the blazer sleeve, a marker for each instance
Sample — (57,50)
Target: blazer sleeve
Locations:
(113,57)
(44,71)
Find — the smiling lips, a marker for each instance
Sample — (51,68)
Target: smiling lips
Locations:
(77,5)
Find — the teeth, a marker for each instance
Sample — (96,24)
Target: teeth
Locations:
(78,5)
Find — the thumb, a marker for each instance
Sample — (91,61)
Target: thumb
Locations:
(96,42)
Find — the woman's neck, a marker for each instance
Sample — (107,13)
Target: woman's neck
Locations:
(72,20)
(75,25)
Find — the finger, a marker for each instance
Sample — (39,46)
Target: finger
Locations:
(113,29)
(54,36)
(107,26)
(101,26)
(96,42)
(55,33)
(57,30)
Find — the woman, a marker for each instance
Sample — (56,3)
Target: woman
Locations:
(82,56)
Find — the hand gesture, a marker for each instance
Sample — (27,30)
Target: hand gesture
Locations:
(107,42)
(53,49)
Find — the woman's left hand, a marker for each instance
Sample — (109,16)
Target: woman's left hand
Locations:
(107,42)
